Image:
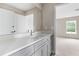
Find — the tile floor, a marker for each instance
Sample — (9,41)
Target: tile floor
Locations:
(67,47)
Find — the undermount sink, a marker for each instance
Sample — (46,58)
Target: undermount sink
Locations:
(21,35)
(35,35)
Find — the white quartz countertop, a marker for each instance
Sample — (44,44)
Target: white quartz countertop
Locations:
(8,46)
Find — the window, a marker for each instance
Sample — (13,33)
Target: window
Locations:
(71,27)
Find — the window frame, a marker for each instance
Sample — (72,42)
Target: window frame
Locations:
(75,22)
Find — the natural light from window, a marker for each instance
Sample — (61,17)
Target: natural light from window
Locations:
(71,27)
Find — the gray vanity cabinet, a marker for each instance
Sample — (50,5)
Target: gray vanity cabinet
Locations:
(44,50)
(49,45)
(27,51)
(37,48)
(38,52)
(40,48)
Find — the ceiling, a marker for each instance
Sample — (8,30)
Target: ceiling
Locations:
(67,10)
(27,6)
(22,6)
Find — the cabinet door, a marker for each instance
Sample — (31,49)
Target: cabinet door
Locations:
(38,52)
(37,45)
(44,50)
(49,46)
(27,51)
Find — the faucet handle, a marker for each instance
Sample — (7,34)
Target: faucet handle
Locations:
(27,31)
(30,31)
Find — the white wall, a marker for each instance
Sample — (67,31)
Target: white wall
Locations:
(23,23)
(19,22)
(6,21)
(9,19)
(37,18)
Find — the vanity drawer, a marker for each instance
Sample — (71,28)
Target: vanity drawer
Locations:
(27,51)
(39,44)
(44,40)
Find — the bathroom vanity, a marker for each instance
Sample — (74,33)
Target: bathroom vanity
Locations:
(36,45)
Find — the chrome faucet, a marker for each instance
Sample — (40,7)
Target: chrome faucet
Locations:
(13,30)
(31,32)
(27,31)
